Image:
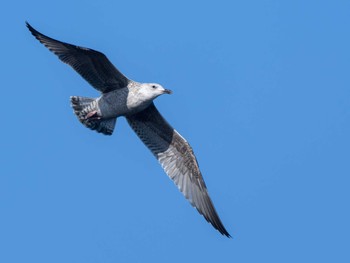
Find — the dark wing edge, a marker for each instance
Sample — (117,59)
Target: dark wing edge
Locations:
(92,65)
(177,159)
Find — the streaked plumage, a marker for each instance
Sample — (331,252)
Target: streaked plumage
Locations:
(121,96)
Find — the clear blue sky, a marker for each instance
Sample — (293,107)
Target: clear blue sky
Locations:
(261,91)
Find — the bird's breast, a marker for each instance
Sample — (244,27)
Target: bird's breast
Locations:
(114,104)
(122,102)
(136,102)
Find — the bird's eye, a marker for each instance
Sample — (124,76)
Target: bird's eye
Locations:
(153,86)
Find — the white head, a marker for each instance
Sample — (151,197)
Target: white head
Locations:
(150,91)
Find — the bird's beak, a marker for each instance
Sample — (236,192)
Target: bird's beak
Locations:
(167,91)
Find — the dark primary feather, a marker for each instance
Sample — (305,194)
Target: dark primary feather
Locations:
(177,159)
(92,65)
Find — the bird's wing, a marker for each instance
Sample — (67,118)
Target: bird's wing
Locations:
(177,159)
(92,65)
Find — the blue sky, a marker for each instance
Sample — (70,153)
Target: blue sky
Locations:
(261,91)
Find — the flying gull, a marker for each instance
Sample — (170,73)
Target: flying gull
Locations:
(121,96)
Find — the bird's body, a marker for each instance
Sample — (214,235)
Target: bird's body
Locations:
(127,101)
(117,103)
(121,96)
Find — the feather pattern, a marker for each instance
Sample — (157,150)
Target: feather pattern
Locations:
(92,65)
(177,159)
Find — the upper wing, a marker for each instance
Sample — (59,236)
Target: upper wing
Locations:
(177,159)
(92,65)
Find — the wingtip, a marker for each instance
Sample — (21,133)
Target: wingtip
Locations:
(226,234)
(28,25)
(31,29)
(223,231)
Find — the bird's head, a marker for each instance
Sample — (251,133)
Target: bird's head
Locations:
(153,90)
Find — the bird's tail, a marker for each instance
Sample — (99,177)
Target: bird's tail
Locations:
(86,109)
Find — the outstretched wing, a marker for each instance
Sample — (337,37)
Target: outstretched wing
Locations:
(177,159)
(92,65)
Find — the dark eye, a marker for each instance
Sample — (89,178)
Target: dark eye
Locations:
(153,86)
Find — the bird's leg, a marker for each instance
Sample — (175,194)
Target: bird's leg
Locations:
(92,115)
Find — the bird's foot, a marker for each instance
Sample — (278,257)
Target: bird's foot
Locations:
(92,115)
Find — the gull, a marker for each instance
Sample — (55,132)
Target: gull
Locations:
(121,96)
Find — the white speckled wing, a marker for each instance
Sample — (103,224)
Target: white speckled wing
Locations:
(177,159)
